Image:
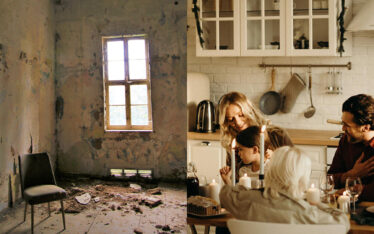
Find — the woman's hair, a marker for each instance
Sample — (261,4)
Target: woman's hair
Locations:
(250,112)
(288,173)
(361,106)
(250,137)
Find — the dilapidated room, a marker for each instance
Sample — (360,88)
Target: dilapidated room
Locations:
(55,97)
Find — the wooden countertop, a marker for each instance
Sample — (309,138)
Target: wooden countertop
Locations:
(298,137)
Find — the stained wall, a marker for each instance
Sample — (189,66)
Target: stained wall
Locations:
(83,145)
(27,90)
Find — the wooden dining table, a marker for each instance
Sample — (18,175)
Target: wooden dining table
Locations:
(221,221)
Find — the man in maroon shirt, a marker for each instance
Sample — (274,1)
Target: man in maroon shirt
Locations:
(355,154)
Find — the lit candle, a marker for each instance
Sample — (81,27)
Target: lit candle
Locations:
(214,190)
(233,162)
(312,195)
(262,151)
(343,202)
(245,181)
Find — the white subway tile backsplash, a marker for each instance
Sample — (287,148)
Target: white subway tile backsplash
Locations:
(193,67)
(213,69)
(360,50)
(236,69)
(249,61)
(224,61)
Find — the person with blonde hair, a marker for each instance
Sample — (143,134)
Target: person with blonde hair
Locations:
(237,113)
(286,180)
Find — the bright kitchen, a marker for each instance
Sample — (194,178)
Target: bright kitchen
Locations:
(235,66)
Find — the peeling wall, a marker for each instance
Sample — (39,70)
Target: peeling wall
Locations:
(27,93)
(83,146)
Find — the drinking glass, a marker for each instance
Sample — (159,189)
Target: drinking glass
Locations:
(326,184)
(331,200)
(354,186)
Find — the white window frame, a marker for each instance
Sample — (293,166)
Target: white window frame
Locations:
(126,82)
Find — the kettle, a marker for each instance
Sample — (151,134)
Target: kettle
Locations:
(205,117)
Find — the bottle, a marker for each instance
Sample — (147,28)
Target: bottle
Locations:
(303,41)
(192,181)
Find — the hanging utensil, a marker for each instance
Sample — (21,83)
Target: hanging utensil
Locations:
(311,110)
(271,101)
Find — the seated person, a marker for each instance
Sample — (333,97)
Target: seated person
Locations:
(355,154)
(236,113)
(248,147)
(282,199)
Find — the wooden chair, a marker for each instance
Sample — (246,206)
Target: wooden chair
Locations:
(241,226)
(38,183)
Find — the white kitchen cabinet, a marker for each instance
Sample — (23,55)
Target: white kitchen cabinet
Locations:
(219,20)
(209,157)
(268,28)
(263,24)
(315,22)
(317,155)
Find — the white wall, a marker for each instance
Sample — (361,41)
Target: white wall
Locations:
(243,74)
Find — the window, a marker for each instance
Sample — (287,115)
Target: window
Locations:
(127,83)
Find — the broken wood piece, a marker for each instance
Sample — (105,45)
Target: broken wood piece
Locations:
(151,201)
(154,191)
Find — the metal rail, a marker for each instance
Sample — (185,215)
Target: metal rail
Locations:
(348,65)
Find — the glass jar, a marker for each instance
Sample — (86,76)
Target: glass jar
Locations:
(192,181)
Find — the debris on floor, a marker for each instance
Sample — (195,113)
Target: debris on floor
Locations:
(112,205)
(83,199)
(154,191)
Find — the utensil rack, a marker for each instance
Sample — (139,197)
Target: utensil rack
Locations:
(348,65)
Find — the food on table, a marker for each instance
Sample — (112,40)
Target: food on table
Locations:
(202,206)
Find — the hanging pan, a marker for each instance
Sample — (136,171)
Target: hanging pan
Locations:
(271,101)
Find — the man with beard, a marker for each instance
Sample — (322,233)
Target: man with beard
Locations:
(355,154)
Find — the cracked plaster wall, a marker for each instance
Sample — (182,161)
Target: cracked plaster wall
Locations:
(83,146)
(27,93)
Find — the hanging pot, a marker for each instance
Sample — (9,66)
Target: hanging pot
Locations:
(271,101)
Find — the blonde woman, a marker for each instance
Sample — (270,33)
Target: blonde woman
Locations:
(286,180)
(237,113)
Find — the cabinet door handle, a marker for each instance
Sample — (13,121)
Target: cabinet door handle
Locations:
(206,143)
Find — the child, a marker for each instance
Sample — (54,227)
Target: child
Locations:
(248,146)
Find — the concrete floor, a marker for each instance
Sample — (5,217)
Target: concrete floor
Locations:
(121,209)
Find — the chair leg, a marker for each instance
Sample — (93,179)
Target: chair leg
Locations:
(24,216)
(49,209)
(32,219)
(63,213)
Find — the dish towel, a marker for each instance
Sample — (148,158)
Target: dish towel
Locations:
(291,91)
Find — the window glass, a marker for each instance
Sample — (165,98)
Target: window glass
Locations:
(117,95)
(138,94)
(115,56)
(117,115)
(137,59)
(139,115)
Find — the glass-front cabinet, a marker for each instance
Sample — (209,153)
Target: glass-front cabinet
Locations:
(312,27)
(268,28)
(262,28)
(219,20)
